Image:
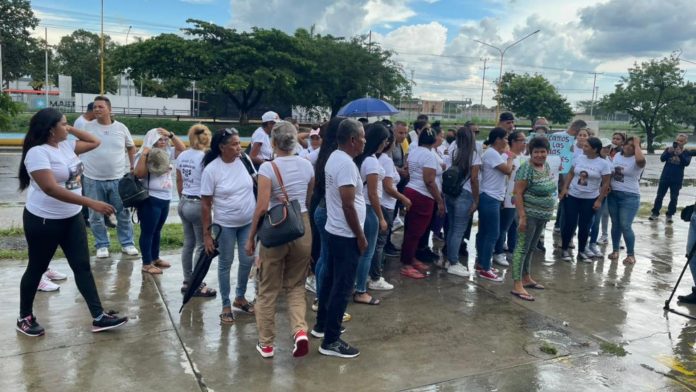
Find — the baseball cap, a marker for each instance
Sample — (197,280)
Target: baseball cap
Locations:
(314,132)
(507,116)
(605,142)
(270,116)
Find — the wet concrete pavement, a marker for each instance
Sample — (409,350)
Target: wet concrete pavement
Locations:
(443,333)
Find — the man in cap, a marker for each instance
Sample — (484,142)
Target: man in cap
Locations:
(507,121)
(261,150)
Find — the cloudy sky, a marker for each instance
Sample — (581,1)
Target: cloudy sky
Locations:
(435,39)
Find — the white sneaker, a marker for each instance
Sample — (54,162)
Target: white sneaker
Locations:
(102,253)
(398,223)
(459,270)
(55,275)
(566,256)
(584,256)
(47,285)
(130,250)
(311,284)
(604,239)
(501,259)
(594,250)
(379,284)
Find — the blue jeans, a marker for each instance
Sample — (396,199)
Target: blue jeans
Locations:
(190,213)
(152,214)
(601,216)
(508,228)
(107,191)
(370,229)
(690,242)
(339,280)
(623,207)
(377,265)
(489,229)
(458,219)
(320,217)
(226,243)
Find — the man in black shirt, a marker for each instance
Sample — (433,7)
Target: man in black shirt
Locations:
(676,158)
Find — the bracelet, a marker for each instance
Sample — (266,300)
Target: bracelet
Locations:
(171,135)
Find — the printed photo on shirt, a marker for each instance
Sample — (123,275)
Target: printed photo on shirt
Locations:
(75,176)
(618,174)
(582,178)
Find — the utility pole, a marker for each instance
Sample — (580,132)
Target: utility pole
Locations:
(413,71)
(127,78)
(101,53)
(47,84)
(483,84)
(2,85)
(594,83)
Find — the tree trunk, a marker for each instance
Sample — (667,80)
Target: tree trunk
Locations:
(651,138)
(243,117)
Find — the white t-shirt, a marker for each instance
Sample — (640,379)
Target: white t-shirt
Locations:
(160,186)
(81,122)
(387,201)
(340,170)
(419,159)
(260,136)
(510,186)
(577,151)
(369,166)
(626,174)
(414,140)
(107,162)
(492,179)
(232,190)
(190,165)
(67,171)
(587,176)
(554,162)
(296,172)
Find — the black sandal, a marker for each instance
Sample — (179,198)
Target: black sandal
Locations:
(207,293)
(247,308)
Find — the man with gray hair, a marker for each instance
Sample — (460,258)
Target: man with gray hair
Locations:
(346,209)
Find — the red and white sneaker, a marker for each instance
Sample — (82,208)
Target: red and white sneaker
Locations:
(301,347)
(490,275)
(478,268)
(265,351)
(47,285)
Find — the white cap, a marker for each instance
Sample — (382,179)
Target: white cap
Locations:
(605,142)
(270,116)
(314,132)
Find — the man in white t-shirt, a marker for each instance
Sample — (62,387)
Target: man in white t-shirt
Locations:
(84,118)
(261,150)
(103,169)
(346,209)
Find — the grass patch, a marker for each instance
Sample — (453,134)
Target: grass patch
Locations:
(172,238)
(613,349)
(548,348)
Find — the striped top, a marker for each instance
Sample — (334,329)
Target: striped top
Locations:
(539,197)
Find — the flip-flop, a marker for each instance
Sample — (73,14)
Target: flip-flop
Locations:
(227,318)
(629,260)
(535,286)
(373,301)
(522,296)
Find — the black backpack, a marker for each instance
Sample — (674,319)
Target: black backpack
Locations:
(452,181)
(131,190)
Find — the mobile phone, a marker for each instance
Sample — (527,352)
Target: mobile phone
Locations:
(675,145)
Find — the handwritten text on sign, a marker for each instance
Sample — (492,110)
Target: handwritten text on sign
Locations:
(561,145)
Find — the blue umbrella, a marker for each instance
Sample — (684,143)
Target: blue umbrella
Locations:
(367,107)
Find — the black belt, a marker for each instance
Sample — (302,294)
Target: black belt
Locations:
(191,197)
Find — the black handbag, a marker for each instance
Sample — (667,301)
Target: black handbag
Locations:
(687,212)
(282,223)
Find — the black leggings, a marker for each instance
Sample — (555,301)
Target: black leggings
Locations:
(43,238)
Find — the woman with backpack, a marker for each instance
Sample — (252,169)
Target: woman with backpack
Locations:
(227,188)
(462,198)
(154,170)
(52,171)
(288,177)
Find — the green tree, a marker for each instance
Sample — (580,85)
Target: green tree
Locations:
(77,55)
(8,109)
(36,67)
(533,96)
(651,95)
(16,23)
(686,110)
(343,70)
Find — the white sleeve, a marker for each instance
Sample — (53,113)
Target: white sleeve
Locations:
(476,160)
(430,161)
(607,169)
(266,170)
(37,159)
(128,137)
(307,169)
(207,181)
(346,175)
(257,137)
(389,168)
(369,166)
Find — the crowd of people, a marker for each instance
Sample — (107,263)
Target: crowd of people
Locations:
(349,183)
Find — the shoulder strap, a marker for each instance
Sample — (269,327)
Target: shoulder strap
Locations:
(280,181)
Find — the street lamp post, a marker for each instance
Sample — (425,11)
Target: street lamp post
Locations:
(502,56)
(101,52)
(127,78)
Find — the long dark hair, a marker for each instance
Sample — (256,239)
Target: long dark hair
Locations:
(375,135)
(220,138)
(390,142)
(40,127)
(466,145)
(329,144)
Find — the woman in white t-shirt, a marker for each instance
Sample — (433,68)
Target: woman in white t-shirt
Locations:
(52,172)
(497,164)
(189,170)
(372,174)
(585,187)
(227,189)
(580,142)
(508,214)
(283,267)
(154,169)
(624,198)
(390,195)
(424,192)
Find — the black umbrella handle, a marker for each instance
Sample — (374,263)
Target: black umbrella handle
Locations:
(215,231)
